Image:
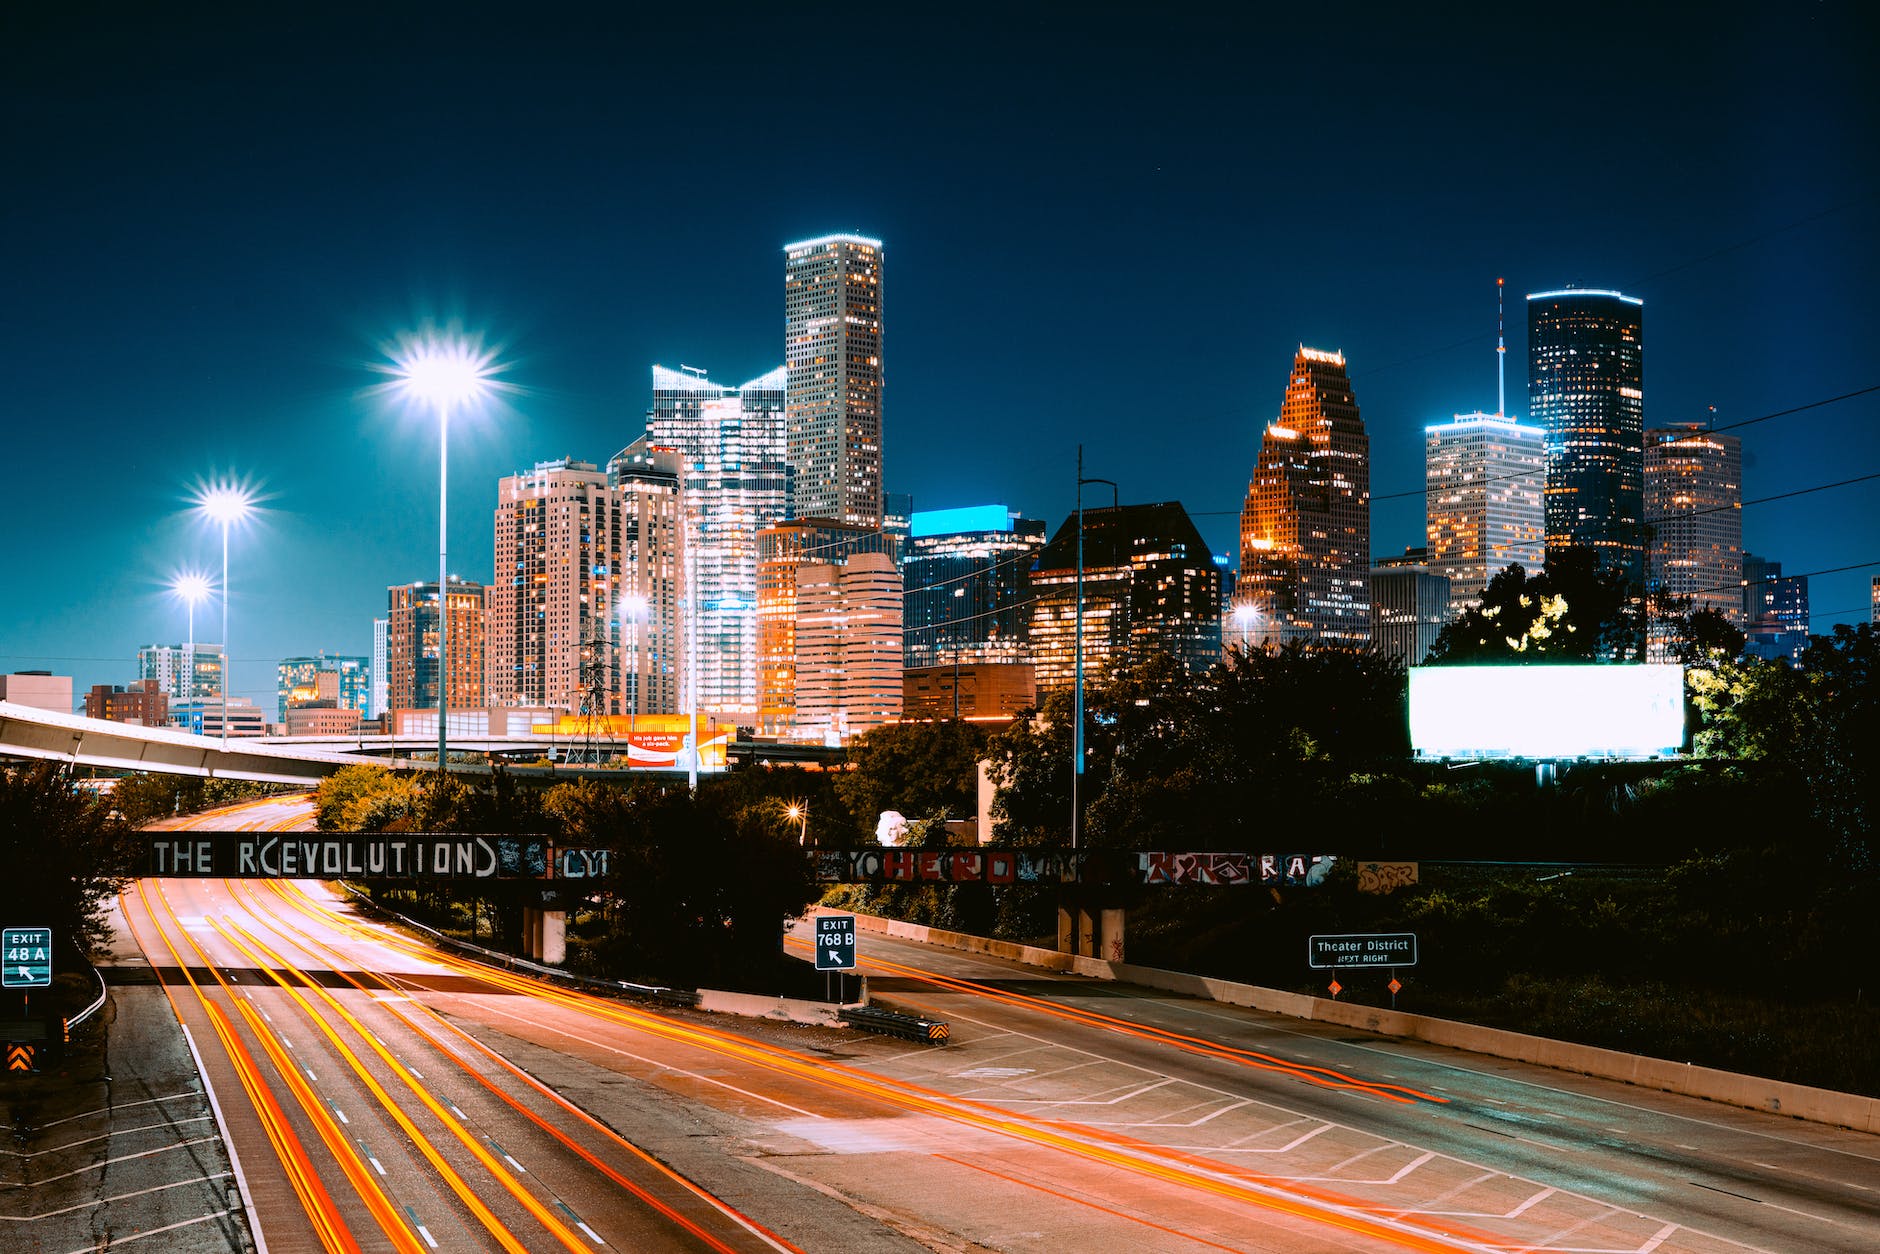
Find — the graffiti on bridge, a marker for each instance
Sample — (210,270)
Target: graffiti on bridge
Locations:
(1033,866)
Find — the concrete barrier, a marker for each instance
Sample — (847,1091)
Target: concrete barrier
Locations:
(1798,1101)
(757,1006)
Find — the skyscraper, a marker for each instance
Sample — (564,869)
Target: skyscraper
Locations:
(1484,478)
(832,339)
(848,647)
(298,682)
(1694,507)
(656,629)
(1776,607)
(965,572)
(782,551)
(381,663)
(1410,602)
(731,444)
(1586,389)
(1305,531)
(1150,585)
(185,672)
(411,640)
(557,581)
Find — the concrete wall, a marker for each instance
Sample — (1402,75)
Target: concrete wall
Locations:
(1796,1100)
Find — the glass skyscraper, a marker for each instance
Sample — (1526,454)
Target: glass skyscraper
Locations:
(1694,507)
(1483,477)
(832,341)
(734,483)
(965,572)
(1586,389)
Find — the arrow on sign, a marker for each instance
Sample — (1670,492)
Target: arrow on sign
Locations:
(19,1058)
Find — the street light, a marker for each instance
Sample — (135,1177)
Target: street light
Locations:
(1245,616)
(190,587)
(224,504)
(442,373)
(633,609)
(798,813)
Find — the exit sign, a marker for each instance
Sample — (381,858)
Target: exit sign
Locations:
(28,957)
(835,942)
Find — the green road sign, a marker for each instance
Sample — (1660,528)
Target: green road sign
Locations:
(835,942)
(28,957)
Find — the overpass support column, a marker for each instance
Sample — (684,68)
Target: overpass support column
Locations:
(1066,929)
(531,931)
(1112,935)
(552,938)
(1087,946)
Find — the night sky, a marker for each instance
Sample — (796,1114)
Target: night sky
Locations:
(1106,230)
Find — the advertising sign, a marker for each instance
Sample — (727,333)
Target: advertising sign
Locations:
(1547,712)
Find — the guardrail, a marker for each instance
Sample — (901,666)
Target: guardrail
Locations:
(92,1009)
(894,1023)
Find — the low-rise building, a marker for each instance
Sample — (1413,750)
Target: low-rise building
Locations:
(141,702)
(40,689)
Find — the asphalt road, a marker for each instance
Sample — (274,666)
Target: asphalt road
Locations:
(388,1095)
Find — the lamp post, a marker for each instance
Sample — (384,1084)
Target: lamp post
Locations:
(1077,686)
(190,587)
(224,504)
(798,812)
(633,608)
(442,373)
(1244,617)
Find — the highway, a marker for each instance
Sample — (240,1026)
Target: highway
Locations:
(383,1095)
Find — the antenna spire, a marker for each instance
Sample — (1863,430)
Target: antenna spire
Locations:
(1501,356)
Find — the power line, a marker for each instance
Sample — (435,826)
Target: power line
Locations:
(1762,500)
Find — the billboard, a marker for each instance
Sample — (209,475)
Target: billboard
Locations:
(655,741)
(1546,711)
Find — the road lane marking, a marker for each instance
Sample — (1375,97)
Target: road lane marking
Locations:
(116,1197)
(153,1232)
(113,1109)
(102,1163)
(422,1230)
(577,1223)
(1658,1238)
(1414,1163)
(341,1115)
(105,1136)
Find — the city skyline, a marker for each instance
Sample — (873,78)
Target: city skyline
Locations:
(234,313)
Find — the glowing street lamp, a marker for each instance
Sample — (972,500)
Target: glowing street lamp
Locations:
(191,587)
(443,373)
(1245,616)
(226,504)
(798,813)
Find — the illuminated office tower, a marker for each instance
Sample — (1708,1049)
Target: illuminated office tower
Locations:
(1694,507)
(1874,592)
(411,646)
(781,552)
(848,647)
(185,672)
(653,622)
(1410,603)
(832,340)
(552,601)
(731,444)
(1305,531)
(347,682)
(1586,389)
(1484,478)
(964,571)
(1150,585)
(1776,609)
(376,701)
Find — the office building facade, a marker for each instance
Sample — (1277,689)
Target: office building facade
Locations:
(732,451)
(413,672)
(1694,508)
(1305,530)
(299,680)
(185,672)
(551,604)
(1775,610)
(832,341)
(781,551)
(848,647)
(656,625)
(1411,601)
(965,576)
(1484,479)
(376,698)
(142,702)
(41,690)
(1586,389)
(1149,585)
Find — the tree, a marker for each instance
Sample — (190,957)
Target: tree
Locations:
(1573,611)
(65,856)
(914,768)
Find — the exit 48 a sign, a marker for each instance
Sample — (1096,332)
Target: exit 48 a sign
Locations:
(835,942)
(28,958)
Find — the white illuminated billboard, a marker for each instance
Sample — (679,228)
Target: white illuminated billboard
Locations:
(1546,711)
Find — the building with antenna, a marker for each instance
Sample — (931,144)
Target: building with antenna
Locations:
(1586,390)
(1305,531)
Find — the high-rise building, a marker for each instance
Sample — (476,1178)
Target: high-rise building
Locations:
(412,646)
(848,647)
(965,572)
(832,338)
(558,537)
(1586,389)
(897,521)
(299,682)
(656,624)
(1149,585)
(974,691)
(781,551)
(1874,615)
(1484,479)
(185,672)
(1410,603)
(1305,531)
(735,481)
(142,702)
(1775,609)
(381,660)
(1694,508)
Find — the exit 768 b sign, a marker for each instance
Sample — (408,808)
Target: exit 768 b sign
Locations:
(28,957)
